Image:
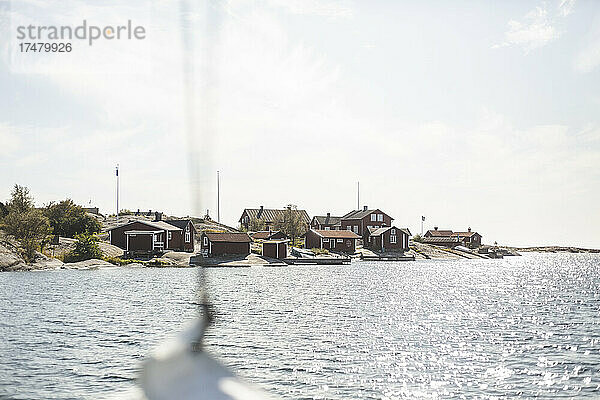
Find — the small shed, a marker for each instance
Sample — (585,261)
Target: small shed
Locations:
(342,241)
(388,238)
(275,248)
(219,243)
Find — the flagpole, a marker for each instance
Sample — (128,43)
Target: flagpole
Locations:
(117,174)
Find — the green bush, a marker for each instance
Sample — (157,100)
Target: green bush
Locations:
(316,251)
(68,219)
(157,263)
(86,248)
(25,223)
(119,261)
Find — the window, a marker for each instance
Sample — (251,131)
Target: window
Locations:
(380,217)
(170,235)
(340,240)
(187,234)
(349,228)
(355,229)
(373,217)
(393,239)
(327,228)
(326,240)
(393,232)
(205,241)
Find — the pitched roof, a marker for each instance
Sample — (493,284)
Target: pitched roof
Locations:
(383,229)
(440,239)
(260,235)
(141,232)
(439,233)
(327,220)
(360,214)
(155,224)
(228,237)
(272,215)
(357,214)
(406,230)
(336,234)
(464,234)
(164,225)
(180,223)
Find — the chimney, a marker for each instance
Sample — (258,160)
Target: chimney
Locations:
(469,229)
(261,208)
(364,208)
(157,216)
(328,215)
(435,228)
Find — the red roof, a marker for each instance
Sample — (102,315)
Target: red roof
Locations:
(336,234)
(464,234)
(437,233)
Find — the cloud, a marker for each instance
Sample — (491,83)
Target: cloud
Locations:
(538,27)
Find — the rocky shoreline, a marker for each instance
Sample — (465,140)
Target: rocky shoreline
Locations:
(10,260)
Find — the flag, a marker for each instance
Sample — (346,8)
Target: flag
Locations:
(422,218)
(117,171)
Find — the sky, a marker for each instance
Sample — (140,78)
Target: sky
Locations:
(472,114)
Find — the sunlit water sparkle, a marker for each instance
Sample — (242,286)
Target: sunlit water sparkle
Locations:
(519,327)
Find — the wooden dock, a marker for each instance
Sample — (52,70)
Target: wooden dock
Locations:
(317,261)
(387,258)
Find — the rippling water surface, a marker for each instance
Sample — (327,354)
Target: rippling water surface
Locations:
(519,327)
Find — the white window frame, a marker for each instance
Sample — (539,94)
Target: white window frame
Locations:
(355,230)
(393,239)
(188,236)
(393,232)
(380,217)
(325,240)
(170,235)
(340,240)
(327,228)
(205,241)
(373,217)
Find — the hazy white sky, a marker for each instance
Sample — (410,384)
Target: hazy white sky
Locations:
(480,114)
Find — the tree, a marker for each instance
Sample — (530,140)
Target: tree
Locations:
(25,223)
(68,219)
(21,201)
(291,223)
(255,224)
(86,248)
